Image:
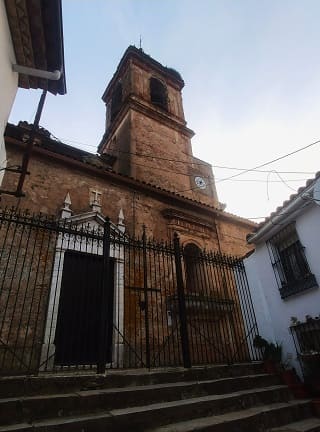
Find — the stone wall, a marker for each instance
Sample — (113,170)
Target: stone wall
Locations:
(51,179)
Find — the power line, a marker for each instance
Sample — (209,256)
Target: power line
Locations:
(186,174)
(263,171)
(287,214)
(243,170)
(281,180)
(231,178)
(264,164)
(206,177)
(274,160)
(268,181)
(152,167)
(283,212)
(193,163)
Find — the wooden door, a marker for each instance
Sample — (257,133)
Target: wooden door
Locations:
(78,327)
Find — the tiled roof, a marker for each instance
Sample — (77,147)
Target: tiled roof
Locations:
(292,197)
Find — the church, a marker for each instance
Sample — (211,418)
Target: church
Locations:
(144,167)
(160,278)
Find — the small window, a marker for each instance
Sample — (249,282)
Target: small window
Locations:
(116,101)
(289,262)
(158,93)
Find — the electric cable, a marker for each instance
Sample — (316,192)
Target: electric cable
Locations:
(262,165)
(217,179)
(193,163)
(281,213)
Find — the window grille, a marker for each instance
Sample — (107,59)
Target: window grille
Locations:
(288,259)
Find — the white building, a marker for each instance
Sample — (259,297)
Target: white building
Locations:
(30,36)
(284,271)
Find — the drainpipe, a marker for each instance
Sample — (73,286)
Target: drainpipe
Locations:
(54,76)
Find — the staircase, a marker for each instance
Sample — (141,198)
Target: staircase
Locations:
(238,398)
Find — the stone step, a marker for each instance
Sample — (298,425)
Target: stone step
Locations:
(252,419)
(21,427)
(147,417)
(307,425)
(165,413)
(255,419)
(45,406)
(59,383)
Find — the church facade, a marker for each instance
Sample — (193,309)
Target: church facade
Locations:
(156,272)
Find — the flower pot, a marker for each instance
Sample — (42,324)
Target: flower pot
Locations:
(299,391)
(270,366)
(316,407)
(290,377)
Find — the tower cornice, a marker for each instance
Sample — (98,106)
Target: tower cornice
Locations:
(148,110)
(138,56)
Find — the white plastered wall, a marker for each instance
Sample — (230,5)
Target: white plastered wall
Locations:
(273,313)
(8,80)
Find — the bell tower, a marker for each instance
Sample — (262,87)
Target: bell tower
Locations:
(146,131)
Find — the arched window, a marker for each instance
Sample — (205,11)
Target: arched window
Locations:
(158,93)
(116,100)
(192,260)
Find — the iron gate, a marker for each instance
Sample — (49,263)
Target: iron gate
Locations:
(88,296)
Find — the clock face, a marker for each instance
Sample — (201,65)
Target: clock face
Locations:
(199,181)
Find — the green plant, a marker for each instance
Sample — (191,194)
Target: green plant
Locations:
(294,321)
(270,351)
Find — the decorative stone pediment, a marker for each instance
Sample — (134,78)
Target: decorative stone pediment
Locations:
(93,219)
(184,222)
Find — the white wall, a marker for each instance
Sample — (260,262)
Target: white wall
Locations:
(273,313)
(8,79)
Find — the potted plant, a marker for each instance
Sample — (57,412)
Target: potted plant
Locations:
(289,377)
(272,356)
(271,352)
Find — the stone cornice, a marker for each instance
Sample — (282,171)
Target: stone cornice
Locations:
(175,215)
(167,119)
(149,111)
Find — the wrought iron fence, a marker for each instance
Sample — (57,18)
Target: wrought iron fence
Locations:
(79,294)
(306,337)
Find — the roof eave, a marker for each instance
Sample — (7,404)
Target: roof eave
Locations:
(37,37)
(286,215)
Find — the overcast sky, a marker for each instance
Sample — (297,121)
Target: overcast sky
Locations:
(252,93)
